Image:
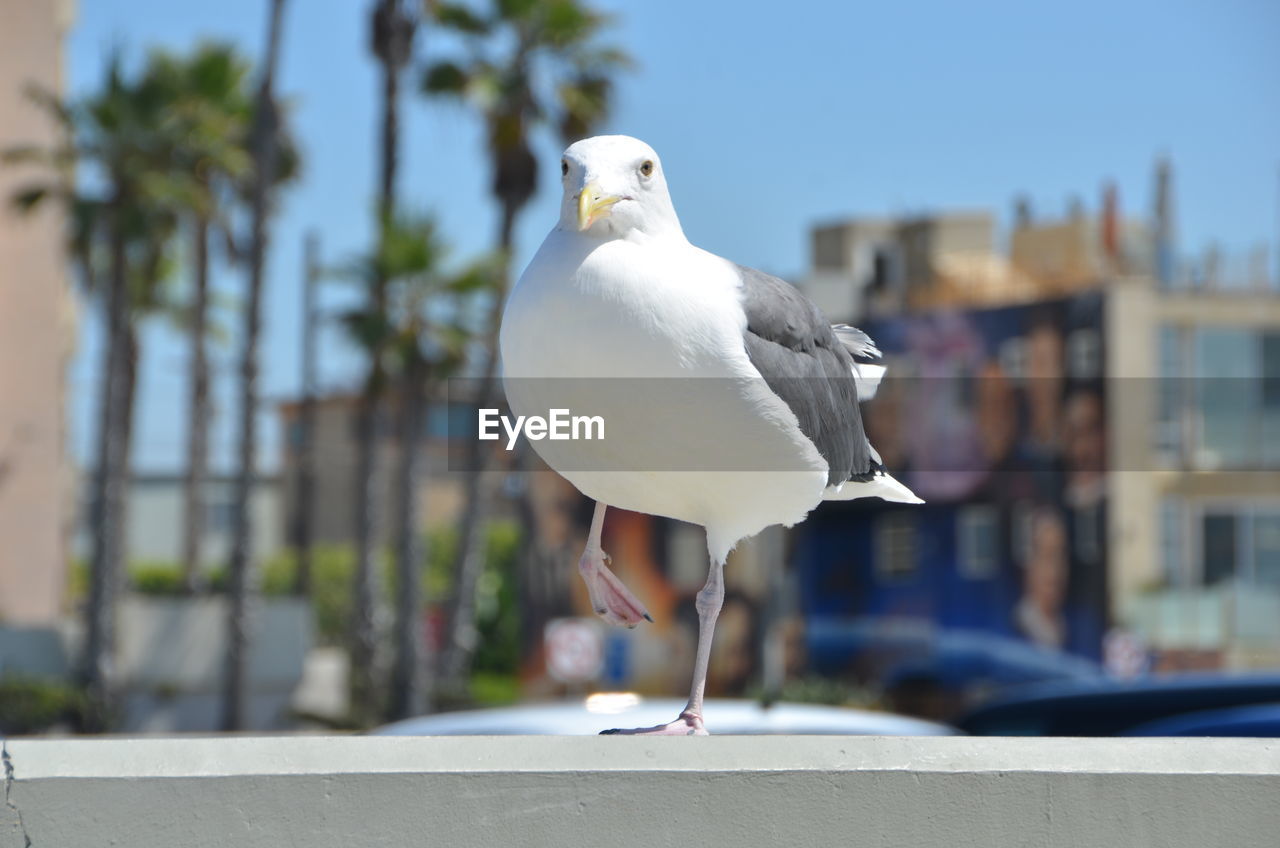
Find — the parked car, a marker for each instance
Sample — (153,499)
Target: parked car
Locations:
(624,709)
(956,658)
(1159,705)
(1259,721)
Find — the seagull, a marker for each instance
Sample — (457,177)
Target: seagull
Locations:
(728,400)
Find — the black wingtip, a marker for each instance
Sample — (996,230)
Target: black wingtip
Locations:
(648,618)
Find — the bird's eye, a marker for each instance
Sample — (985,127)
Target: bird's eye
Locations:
(646,169)
(564,168)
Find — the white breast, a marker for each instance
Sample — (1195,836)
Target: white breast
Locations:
(651,340)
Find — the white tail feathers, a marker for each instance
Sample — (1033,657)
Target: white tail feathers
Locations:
(879,486)
(858,343)
(867,378)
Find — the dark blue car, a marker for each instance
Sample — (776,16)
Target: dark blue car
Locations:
(1174,705)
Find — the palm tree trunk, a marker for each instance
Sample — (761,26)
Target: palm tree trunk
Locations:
(481,487)
(198,417)
(235,694)
(108,497)
(407,674)
(391,35)
(129,382)
(366,661)
(306,493)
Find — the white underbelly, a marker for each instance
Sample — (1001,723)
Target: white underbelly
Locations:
(691,449)
(687,432)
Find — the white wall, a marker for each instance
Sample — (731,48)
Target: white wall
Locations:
(624,791)
(157,514)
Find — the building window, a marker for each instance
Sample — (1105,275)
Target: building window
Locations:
(1020,518)
(1013,358)
(1219,552)
(885,262)
(451,421)
(1240,542)
(978,532)
(895,547)
(294,432)
(1266,549)
(1084,354)
(1227,389)
(1219,404)
(1269,353)
(1173,548)
(1172,398)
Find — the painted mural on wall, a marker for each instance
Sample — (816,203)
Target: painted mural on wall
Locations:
(997,418)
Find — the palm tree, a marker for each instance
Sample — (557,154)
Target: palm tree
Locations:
(266,149)
(423,326)
(392,30)
(213,108)
(121,239)
(517,53)
(303,521)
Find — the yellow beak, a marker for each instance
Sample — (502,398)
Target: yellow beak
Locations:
(593,204)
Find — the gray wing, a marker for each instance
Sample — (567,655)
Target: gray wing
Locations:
(810,367)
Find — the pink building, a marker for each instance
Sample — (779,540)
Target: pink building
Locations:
(37,322)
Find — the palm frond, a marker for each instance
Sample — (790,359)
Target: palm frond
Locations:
(445,79)
(459,18)
(51,103)
(567,22)
(26,200)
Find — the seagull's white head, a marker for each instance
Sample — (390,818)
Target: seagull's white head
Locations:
(614,187)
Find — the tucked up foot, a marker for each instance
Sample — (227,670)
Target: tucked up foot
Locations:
(611,600)
(687,724)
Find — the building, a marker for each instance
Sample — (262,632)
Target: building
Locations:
(36,332)
(881,267)
(336,449)
(1200,479)
(1094,426)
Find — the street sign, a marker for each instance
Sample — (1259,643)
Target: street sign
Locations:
(574,648)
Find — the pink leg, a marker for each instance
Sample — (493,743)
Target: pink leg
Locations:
(611,600)
(689,722)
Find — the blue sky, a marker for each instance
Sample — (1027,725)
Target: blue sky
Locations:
(766,123)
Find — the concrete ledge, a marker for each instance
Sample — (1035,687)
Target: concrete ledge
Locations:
(567,791)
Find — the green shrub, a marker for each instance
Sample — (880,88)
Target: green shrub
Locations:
(77,583)
(494,690)
(497,608)
(332,572)
(30,705)
(156,578)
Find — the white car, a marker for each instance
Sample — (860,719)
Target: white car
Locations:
(605,710)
